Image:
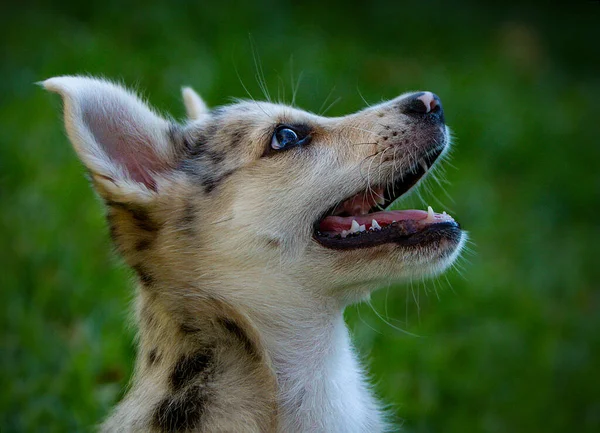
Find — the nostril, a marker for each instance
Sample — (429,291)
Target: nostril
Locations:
(428,102)
(424,103)
(433,104)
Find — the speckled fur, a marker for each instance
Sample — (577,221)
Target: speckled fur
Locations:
(239,309)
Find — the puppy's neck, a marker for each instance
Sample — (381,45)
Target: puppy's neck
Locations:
(320,381)
(306,345)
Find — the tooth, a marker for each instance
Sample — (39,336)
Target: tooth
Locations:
(447,216)
(423,164)
(430,214)
(354,227)
(344,233)
(362,228)
(375,225)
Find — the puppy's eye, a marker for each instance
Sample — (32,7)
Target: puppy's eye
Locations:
(284,138)
(289,136)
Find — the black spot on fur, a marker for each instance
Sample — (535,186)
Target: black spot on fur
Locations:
(116,204)
(145,277)
(197,147)
(236,331)
(212,182)
(153,357)
(273,243)
(143,244)
(215,157)
(199,174)
(212,128)
(236,137)
(189,216)
(188,145)
(189,367)
(227,174)
(187,219)
(188,329)
(112,228)
(181,413)
(174,133)
(140,216)
(143,220)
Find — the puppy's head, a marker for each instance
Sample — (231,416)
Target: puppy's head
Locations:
(261,187)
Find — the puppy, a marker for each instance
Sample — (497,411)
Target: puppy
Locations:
(251,227)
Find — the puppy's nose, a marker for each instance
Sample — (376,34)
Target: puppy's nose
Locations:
(425,104)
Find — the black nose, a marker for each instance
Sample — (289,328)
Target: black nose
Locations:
(424,104)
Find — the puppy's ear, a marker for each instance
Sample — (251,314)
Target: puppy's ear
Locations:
(128,148)
(195,107)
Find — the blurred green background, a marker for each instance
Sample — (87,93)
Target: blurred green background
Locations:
(511,345)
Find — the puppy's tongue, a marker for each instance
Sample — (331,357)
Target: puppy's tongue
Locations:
(377,220)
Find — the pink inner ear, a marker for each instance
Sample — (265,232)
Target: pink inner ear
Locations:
(125,143)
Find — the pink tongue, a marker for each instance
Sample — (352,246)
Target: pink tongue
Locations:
(337,223)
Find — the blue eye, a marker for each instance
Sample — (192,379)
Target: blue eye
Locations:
(284,138)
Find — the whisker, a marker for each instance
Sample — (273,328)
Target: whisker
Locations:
(364,130)
(280,90)
(242,83)
(404,331)
(449,283)
(338,99)
(370,190)
(260,75)
(361,144)
(297,86)
(247,91)
(320,111)
(369,174)
(362,320)
(360,165)
(363,98)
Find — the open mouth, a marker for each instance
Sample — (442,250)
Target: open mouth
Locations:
(360,221)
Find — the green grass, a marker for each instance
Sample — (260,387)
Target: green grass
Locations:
(512,345)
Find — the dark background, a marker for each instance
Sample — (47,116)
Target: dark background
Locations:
(511,345)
